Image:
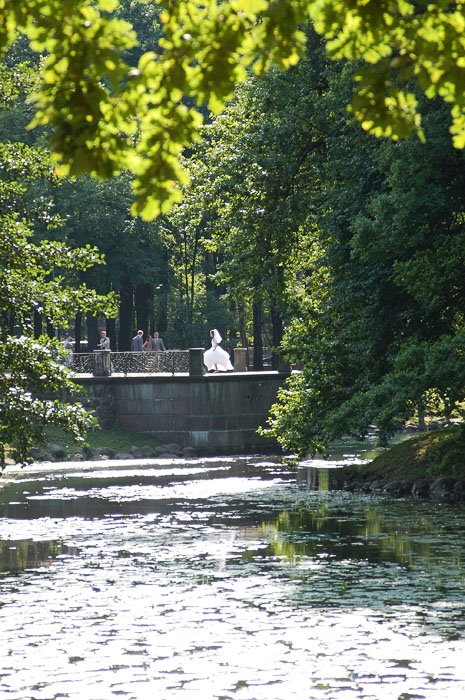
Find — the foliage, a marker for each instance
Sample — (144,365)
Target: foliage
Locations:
(33,279)
(250,197)
(400,41)
(96,213)
(90,93)
(31,380)
(31,376)
(384,339)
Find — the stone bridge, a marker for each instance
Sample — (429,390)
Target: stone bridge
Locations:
(214,413)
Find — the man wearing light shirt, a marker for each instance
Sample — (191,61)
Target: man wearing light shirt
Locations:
(104,343)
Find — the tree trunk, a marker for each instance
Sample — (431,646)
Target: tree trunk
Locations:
(111,333)
(50,329)
(37,324)
(92,332)
(143,297)
(257,336)
(277,333)
(160,323)
(242,327)
(77,332)
(126,309)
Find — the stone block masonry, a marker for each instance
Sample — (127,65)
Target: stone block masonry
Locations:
(216,414)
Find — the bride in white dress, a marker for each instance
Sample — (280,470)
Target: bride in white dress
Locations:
(215,358)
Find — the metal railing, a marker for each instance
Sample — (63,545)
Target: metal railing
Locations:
(164,362)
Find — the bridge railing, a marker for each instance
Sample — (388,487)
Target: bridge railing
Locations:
(163,362)
(104,363)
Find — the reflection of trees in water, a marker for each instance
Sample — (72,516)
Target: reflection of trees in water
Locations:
(316,478)
(17,555)
(367,534)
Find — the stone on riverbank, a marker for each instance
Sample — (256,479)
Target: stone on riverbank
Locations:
(420,488)
(56,451)
(402,487)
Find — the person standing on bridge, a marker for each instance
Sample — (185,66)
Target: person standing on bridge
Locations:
(157,343)
(104,342)
(215,358)
(68,344)
(137,343)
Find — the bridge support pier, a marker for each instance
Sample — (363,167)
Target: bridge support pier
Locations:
(240,359)
(102,364)
(196,368)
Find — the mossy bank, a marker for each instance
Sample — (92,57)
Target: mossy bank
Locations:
(415,465)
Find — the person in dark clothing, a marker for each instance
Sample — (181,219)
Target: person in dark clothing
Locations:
(157,342)
(137,343)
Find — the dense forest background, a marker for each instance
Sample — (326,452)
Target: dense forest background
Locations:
(298,233)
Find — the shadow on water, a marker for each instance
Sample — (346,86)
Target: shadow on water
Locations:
(101,490)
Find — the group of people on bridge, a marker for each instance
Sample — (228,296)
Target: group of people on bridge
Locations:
(216,359)
(153,343)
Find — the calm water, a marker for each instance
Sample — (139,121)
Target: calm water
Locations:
(233,578)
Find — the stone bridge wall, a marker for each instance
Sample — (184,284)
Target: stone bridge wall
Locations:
(216,414)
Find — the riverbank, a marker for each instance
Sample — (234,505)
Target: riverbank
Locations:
(419,461)
(430,464)
(106,443)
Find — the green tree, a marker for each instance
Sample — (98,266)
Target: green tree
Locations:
(96,213)
(252,194)
(31,376)
(90,94)
(33,381)
(380,327)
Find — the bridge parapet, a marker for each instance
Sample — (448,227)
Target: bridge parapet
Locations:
(103,363)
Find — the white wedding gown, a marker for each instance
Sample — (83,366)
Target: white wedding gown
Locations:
(215,358)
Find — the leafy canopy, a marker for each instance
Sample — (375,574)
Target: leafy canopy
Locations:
(33,382)
(379,330)
(36,278)
(107,115)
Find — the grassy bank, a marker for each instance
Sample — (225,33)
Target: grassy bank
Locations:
(428,455)
(111,440)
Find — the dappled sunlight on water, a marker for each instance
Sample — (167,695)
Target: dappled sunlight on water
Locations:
(225,578)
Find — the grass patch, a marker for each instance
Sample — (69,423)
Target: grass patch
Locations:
(117,439)
(429,455)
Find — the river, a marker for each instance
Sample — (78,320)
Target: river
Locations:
(225,579)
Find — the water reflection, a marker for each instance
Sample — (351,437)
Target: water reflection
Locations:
(370,537)
(17,555)
(230,578)
(316,478)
